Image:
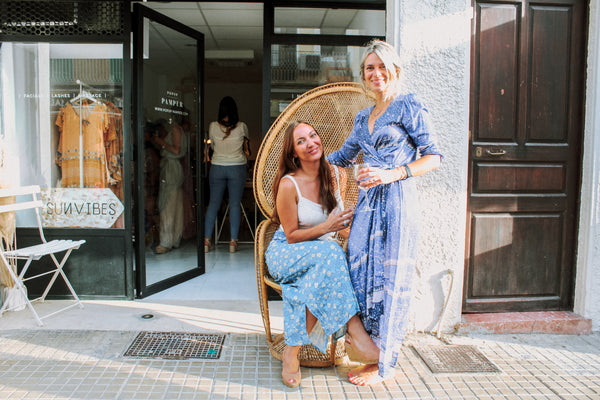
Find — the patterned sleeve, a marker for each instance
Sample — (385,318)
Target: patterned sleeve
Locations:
(347,154)
(417,122)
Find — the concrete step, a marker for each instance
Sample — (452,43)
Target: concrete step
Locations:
(557,322)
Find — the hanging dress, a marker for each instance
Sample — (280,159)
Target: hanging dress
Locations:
(382,244)
(92,125)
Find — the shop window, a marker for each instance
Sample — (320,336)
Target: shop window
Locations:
(313,46)
(298,68)
(62,128)
(329,21)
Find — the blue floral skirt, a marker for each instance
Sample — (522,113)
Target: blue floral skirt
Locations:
(313,275)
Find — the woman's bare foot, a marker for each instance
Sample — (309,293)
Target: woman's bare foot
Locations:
(364,351)
(367,374)
(290,373)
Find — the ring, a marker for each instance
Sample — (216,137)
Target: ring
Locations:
(345,223)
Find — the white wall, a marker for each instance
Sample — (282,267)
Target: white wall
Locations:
(587,283)
(433,39)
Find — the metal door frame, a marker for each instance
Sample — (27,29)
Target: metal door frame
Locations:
(139,13)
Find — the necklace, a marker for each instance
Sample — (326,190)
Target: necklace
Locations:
(377,113)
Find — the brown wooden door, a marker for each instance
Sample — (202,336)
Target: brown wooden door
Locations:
(527,78)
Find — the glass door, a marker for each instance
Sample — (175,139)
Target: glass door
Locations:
(167,58)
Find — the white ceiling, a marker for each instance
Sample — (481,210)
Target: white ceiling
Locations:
(239,26)
(233,32)
(226,26)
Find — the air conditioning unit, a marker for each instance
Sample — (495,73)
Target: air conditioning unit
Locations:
(310,62)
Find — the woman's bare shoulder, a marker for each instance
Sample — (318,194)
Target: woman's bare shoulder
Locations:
(287,189)
(286,183)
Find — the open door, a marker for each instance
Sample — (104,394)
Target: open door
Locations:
(168,60)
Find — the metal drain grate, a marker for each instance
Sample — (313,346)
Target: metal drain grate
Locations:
(176,345)
(454,359)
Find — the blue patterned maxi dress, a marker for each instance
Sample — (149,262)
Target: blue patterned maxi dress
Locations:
(314,275)
(382,243)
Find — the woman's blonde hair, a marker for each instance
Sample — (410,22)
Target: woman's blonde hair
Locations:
(390,58)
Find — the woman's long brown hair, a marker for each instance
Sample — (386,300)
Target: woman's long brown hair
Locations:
(288,164)
(228,109)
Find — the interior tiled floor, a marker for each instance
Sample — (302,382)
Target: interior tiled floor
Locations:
(176,261)
(228,276)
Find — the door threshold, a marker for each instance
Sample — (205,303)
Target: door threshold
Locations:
(556,322)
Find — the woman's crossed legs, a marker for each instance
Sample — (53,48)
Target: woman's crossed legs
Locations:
(356,335)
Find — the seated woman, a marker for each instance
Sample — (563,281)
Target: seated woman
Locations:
(303,256)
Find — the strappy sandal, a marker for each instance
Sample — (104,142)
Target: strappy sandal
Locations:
(233,245)
(290,380)
(208,246)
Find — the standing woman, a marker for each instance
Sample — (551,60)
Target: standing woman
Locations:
(397,142)
(228,136)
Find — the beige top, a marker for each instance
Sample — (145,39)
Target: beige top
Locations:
(227,151)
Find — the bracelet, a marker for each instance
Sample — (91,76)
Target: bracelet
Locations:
(408,172)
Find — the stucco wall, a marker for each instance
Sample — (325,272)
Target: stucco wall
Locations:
(433,39)
(587,284)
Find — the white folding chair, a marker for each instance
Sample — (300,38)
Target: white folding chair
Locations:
(36,252)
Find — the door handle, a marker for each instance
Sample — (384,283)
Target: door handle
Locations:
(499,152)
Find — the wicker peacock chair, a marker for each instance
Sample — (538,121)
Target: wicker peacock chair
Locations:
(330,109)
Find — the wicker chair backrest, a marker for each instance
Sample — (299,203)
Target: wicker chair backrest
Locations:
(331,109)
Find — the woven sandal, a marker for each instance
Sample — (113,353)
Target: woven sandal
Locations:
(208,246)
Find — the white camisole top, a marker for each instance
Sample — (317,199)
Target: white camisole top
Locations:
(309,212)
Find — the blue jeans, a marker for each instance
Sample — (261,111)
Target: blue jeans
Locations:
(232,177)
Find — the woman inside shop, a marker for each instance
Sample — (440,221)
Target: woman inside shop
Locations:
(229,142)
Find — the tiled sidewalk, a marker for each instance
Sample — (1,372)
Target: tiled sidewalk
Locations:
(89,364)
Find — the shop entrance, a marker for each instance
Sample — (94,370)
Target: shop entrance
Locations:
(263,56)
(168,58)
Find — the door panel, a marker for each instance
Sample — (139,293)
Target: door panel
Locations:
(518,178)
(520,249)
(526,112)
(498,80)
(549,81)
(168,59)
